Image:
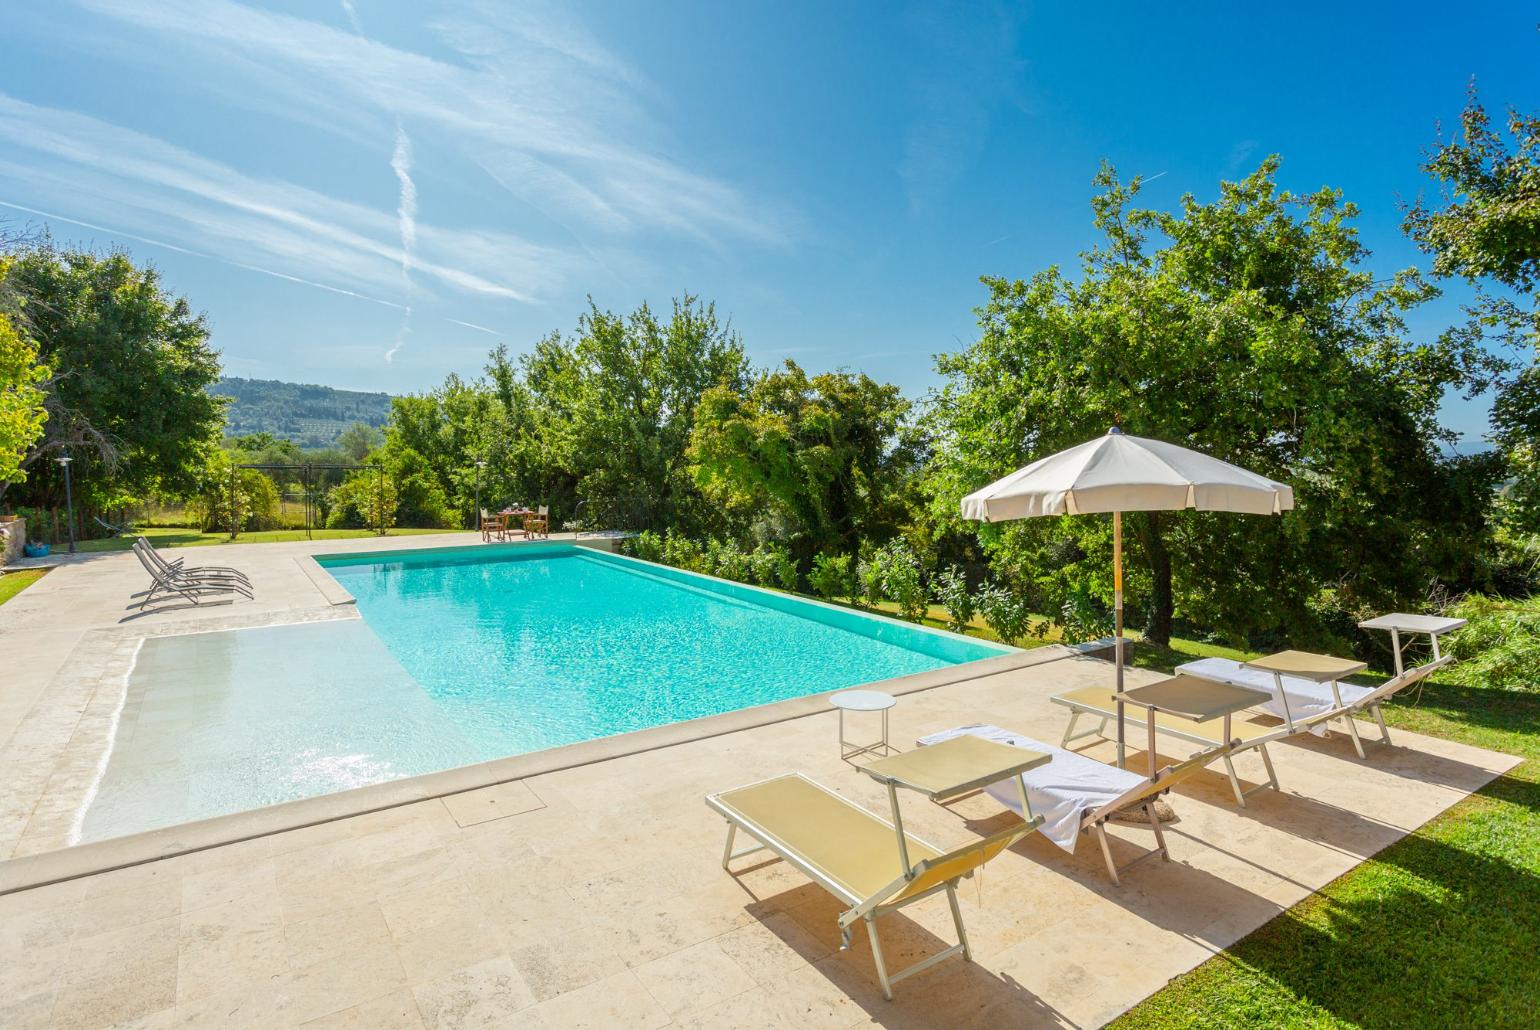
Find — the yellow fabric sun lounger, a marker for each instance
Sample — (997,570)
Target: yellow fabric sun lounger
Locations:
(1245,735)
(854,855)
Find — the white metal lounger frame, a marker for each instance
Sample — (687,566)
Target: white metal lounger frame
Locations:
(1345,710)
(1210,748)
(1225,749)
(1142,796)
(867,910)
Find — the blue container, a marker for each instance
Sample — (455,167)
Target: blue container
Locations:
(35,550)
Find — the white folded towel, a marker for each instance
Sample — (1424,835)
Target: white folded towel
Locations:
(1059,790)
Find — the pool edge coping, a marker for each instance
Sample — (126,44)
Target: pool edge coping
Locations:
(27,872)
(333,592)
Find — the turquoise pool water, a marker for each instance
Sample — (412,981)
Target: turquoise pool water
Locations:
(529,647)
(465,655)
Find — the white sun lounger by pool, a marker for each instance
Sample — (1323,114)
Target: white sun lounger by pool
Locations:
(1074,794)
(1296,698)
(853,855)
(1245,734)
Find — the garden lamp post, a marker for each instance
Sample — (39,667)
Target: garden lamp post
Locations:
(69,499)
(476,515)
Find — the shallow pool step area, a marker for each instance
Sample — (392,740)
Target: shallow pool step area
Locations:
(215,723)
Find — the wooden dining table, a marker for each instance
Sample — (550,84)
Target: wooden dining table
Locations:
(515,513)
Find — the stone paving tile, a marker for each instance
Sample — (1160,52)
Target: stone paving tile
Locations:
(394,1011)
(692,977)
(616,1001)
(488,994)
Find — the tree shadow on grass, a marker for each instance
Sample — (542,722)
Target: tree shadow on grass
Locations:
(1428,934)
(1483,707)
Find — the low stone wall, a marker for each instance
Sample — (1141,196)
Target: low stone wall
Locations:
(12,536)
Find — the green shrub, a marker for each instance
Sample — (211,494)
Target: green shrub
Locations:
(1006,612)
(869,579)
(357,503)
(420,499)
(1501,645)
(902,580)
(830,576)
(952,592)
(1082,618)
(646,545)
(773,566)
(727,560)
(681,552)
(256,499)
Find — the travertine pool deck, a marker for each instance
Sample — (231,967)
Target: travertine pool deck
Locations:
(592,895)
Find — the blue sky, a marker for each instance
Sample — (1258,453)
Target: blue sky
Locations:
(371,194)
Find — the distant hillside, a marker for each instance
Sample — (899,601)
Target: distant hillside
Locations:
(312,416)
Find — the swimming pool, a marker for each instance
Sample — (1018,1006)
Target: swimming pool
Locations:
(533,646)
(465,655)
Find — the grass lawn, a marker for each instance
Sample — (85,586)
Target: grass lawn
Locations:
(13,583)
(176,537)
(1440,929)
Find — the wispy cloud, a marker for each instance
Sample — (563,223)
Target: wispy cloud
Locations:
(1239,154)
(352,15)
(122,234)
(473,325)
(99,172)
(406,207)
(529,96)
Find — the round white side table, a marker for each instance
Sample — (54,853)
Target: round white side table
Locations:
(863,701)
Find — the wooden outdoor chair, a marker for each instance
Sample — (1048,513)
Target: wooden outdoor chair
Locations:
(538,524)
(493,525)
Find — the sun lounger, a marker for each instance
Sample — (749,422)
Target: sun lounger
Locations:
(179,565)
(1318,703)
(853,855)
(184,584)
(1246,734)
(1074,794)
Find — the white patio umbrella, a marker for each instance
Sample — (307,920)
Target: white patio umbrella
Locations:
(1117,473)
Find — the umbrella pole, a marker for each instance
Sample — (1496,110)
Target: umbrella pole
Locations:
(1117,616)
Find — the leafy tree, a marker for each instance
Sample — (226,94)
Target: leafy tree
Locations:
(1488,226)
(1246,328)
(1487,231)
(363,501)
(420,500)
(823,452)
(358,440)
(131,366)
(21,397)
(255,497)
(632,385)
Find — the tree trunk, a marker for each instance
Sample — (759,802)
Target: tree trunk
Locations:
(1157,626)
